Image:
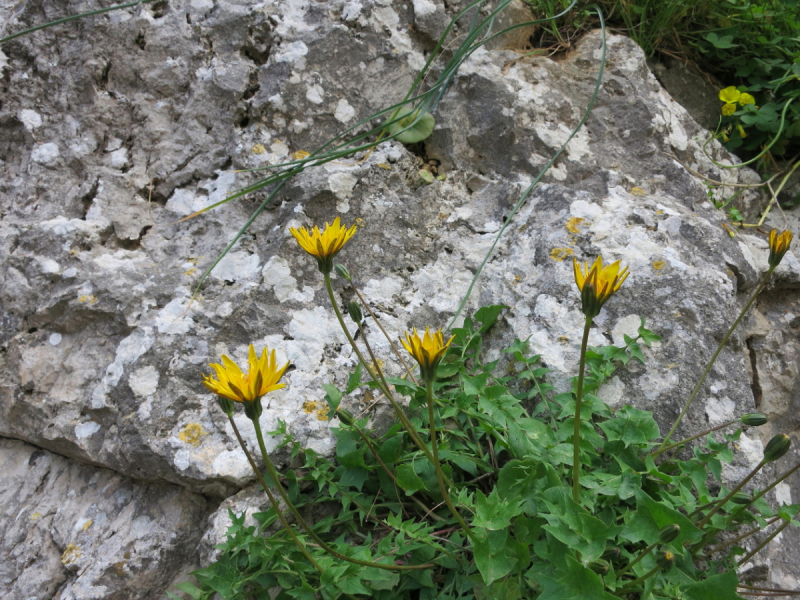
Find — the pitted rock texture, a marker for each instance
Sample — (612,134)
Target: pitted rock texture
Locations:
(116,127)
(76,532)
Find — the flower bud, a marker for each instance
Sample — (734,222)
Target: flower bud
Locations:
(669,533)
(600,566)
(354,310)
(669,467)
(342,271)
(345,416)
(226,404)
(741,498)
(253,409)
(778,246)
(665,559)
(753,419)
(612,553)
(777,447)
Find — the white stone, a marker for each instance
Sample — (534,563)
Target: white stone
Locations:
(30,119)
(423,8)
(175,317)
(315,93)
(629,326)
(87,429)
(144,382)
(119,158)
(292,52)
(45,154)
(342,184)
(236,265)
(54,339)
(783,493)
(344,113)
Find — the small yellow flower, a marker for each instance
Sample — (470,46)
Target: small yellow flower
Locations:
(728,109)
(778,246)
(740,129)
(729,95)
(427,351)
(746,99)
(597,283)
(262,377)
(324,245)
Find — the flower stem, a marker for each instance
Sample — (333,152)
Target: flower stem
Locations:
(285,497)
(412,431)
(647,575)
(722,503)
(576,437)
(713,359)
(694,437)
(739,538)
(389,339)
(755,551)
(272,498)
(438,467)
(636,560)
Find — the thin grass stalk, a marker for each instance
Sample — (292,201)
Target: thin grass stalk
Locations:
(636,561)
(730,495)
(694,437)
(576,436)
(710,364)
(739,538)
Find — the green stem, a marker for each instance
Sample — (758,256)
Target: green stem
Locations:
(272,498)
(724,501)
(576,437)
(771,537)
(716,549)
(412,431)
(694,437)
(635,561)
(438,467)
(713,359)
(389,339)
(647,575)
(285,497)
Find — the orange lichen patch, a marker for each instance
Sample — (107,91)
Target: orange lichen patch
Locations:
(71,554)
(384,166)
(563,339)
(301,154)
(572,224)
(310,406)
(192,433)
(560,254)
(90,298)
(87,525)
(360,222)
(35,516)
(371,366)
(659,264)
(637,191)
(190,272)
(322,413)
(258,149)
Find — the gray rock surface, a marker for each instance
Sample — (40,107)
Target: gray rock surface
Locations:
(115,127)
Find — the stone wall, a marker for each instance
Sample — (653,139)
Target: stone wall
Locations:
(115,127)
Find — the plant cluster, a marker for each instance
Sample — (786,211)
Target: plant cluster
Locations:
(491,484)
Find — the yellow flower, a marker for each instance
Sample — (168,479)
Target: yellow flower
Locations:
(746,99)
(729,95)
(740,129)
(262,377)
(427,351)
(778,246)
(728,109)
(324,245)
(597,284)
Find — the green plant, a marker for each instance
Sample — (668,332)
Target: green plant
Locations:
(475,493)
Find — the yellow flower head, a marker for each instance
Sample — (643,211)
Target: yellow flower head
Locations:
(324,245)
(427,351)
(778,246)
(746,99)
(597,283)
(728,109)
(262,377)
(729,95)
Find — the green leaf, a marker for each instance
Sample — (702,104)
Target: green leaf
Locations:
(354,380)
(487,316)
(413,126)
(718,587)
(408,480)
(631,426)
(651,516)
(573,581)
(333,397)
(724,42)
(494,513)
(494,556)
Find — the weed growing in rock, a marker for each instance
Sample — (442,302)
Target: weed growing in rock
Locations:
(492,484)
